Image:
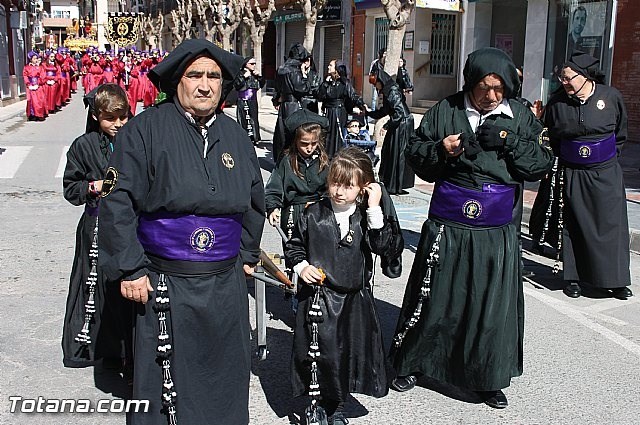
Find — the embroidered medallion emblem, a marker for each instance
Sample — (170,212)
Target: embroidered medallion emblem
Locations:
(584,151)
(503,134)
(472,209)
(227,160)
(349,238)
(600,104)
(109,182)
(202,239)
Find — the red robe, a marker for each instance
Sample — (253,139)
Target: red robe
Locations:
(51,78)
(36,105)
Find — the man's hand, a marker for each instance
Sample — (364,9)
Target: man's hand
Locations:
(493,137)
(136,290)
(452,145)
(248,269)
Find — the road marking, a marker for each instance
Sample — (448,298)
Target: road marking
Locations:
(581,317)
(607,305)
(62,163)
(11,159)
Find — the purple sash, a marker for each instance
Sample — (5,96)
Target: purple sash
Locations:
(33,81)
(587,152)
(51,73)
(107,69)
(490,208)
(92,211)
(190,237)
(247,94)
(63,74)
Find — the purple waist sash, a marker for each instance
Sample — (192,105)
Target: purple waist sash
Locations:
(63,74)
(247,94)
(51,73)
(586,152)
(490,208)
(92,211)
(107,69)
(190,237)
(33,81)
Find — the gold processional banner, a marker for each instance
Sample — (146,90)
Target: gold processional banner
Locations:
(123,28)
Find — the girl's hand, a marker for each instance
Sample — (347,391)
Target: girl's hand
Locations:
(374,191)
(274,217)
(311,275)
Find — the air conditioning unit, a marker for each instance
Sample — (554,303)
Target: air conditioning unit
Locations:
(19,19)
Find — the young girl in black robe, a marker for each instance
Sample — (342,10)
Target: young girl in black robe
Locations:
(331,250)
(94,326)
(301,173)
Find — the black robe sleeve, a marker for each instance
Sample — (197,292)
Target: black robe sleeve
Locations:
(424,152)
(274,190)
(121,254)
(75,181)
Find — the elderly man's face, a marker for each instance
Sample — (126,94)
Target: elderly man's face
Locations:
(200,87)
(487,94)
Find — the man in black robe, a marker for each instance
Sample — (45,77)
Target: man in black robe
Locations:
(462,317)
(184,206)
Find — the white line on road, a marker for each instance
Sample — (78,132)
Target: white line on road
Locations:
(581,317)
(11,159)
(62,163)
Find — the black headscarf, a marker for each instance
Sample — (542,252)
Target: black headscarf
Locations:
(167,74)
(490,60)
(385,79)
(304,116)
(298,52)
(89,100)
(343,71)
(585,65)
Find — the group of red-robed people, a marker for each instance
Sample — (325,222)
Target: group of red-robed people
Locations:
(50,80)
(51,77)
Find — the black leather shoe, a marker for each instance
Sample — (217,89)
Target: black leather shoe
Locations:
(338,419)
(527,273)
(572,290)
(404,383)
(622,293)
(495,399)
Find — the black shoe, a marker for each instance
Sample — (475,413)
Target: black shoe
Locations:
(495,399)
(338,419)
(527,273)
(622,293)
(404,383)
(572,290)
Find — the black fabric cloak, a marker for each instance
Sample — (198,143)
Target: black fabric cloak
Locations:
(291,86)
(596,230)
(111,325)
(337,97)
(470,332)
(394,170)
(352,358)
(247,110)
(291,193)
(160,167)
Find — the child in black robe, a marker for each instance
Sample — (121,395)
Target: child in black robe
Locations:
(301,173)
(332,247)
(95,322)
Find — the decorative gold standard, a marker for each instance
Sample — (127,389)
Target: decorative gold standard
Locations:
(122,28)
(109,182)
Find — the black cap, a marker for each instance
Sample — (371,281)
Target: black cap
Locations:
(166,75)
(297,51)
(304,116)
(490,60)
(584,64)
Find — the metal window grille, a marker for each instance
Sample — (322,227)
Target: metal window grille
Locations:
(443,36)
(382,35)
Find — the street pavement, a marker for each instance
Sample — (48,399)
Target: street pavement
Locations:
(581,358)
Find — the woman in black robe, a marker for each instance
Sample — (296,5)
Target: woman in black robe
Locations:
(588,123)
(104,334)
(292,84)
(394,172)
(247,83)
(337,96)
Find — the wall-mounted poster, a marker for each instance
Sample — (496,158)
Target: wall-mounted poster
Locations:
(504,42)
(586,27)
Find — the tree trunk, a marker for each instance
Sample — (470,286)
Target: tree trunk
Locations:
(311,18)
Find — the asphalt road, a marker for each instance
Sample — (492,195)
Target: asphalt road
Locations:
(581,363)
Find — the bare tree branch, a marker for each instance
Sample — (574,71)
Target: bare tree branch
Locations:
(227,18)
(311,18)
(257,19)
